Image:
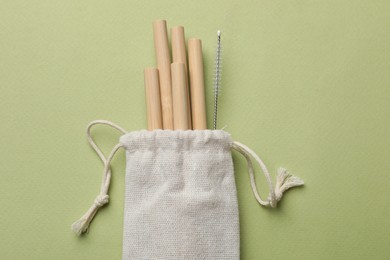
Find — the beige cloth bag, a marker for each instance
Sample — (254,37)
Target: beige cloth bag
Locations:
(180,194)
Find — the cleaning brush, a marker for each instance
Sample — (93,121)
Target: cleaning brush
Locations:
(217,77)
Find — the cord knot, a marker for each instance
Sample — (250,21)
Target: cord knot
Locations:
(284,181)
(81,226)
(101,200)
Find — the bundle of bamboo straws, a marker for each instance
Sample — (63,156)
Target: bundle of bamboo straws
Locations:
(175,95)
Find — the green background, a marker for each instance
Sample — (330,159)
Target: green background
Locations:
(305,85)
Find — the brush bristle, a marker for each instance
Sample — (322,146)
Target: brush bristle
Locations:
(217,76)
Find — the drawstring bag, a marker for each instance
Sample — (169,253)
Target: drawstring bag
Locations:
(180,193)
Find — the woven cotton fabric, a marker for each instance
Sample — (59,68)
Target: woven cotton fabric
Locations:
(180,196)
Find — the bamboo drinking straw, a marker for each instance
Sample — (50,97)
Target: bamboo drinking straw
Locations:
(179,94)
(198,104)
(179,55)
(164,67)
(153,103)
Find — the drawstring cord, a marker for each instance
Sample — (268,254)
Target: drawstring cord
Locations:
(284,179)
(81,226)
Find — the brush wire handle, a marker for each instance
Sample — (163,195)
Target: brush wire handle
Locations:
(217,78)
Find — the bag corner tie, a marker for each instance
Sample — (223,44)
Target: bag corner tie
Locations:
(284,180)
(81,226)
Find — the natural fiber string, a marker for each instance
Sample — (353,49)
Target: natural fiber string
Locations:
(284,180)
(81,226)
